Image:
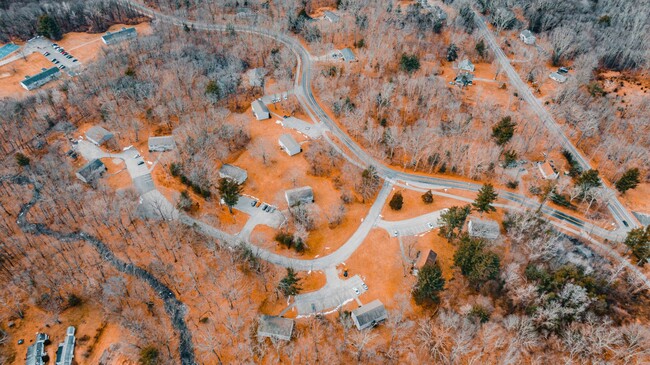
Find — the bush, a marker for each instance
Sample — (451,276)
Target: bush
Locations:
(397,201)
(512,184)
(427,198)
(21,159)
(74,300)
(480,313)
(149,356)
(409,63)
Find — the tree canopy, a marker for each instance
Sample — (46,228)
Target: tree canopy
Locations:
(503,131)
(452,221)
(430,283)
(629,180)
(48,27)
(290,284)
(229,190)
(397,201)
(409,63)
(486,196)
(638,240)
(476,263)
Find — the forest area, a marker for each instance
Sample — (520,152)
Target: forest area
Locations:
(164,290)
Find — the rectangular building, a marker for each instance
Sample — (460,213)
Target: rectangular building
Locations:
(297,196)
(91,171)
(98,135)
(369,315)
(260,110)
(65,352)
(233,172)
(483,228)
(119,36)
(289,145)
(36,354)
(40,79)
(275,327)
(161,144)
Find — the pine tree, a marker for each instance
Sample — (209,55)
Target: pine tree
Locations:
(629,180)
(452,53)
(588,180)
(480,48)
(430,283)
(290,284)
(486,196)
(476,263)
(504,130)
(638,240)
(21,159)
(229,190)
(397,201)
(452,221)
(48,27)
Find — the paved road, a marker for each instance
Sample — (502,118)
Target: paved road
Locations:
(413,226)
(619,212)
(334,294)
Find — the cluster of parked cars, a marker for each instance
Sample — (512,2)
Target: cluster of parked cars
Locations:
(65,54)
(265,207)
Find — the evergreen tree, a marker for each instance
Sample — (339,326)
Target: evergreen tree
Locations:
(229,190)
(21,159)
(480,48)
(452,221)
(396,201)
(409,63)
(476,263)
(427,198)
(486,196)
(48,27)
(452,53)
(509,158)
(430,283)
(629,180)
(504,130)
(638,240)
(588,180)
(290,284)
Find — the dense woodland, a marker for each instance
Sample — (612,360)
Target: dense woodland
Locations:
(535,296)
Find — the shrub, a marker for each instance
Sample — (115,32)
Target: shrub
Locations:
(397,201)
(427,197)
(149,356)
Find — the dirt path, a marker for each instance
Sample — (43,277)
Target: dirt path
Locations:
(174,307)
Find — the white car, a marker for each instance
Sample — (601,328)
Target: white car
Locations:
(356,291)
(395,233)
(430,225)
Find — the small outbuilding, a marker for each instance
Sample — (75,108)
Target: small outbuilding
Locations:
(161,144)
(297,196)
(483,228)
(464,79)
(333,18)
(369,315)
(547,171)
(65,352)
(36,354)
(558,77)
(46,75)
(260,110)
(527,37)
(348,55)
(289,145)
(98,135)
(428,257)
(119,36)
(466,65)
(233,172)
(275,327)
(91,171)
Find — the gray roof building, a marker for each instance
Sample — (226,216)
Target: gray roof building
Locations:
(369,315)
(119,36)
(275,327)
(464,79)
(558,77)
(483,228)
(233,172)
(289,145)
(161,144)
(40,79)
(527,37)
(466,65)
(91,171)
(260,110)
(65,352)
(297,196)
(347,55)
(36,354)
(98,135)
(331,17)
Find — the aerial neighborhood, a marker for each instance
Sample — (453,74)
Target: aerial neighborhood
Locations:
(370,182)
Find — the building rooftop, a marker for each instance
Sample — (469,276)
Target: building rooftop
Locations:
(370,314)
(233,172)
(30,80)
(166,142)
(527,33)
(275,327)
(547,170)
(120,34)
(332,17)
(98,135)
(558,77)
(290,144)
(483,228)
(88,170)
(428,257)
(65,352)
(347,54)
(466,65)
(259,107)
(300,195)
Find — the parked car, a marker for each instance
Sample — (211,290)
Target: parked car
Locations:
(364,286)
(74,60)
(61,67)
(563,70)
(430,225)
(140,163)
(356,291)
(253,203)
(46,54)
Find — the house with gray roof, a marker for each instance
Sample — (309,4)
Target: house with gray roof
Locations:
(333,18)
(161,144)
(36,354)
(233,172)
(483,228)
(527,37)
(556,76)
(65,352)
(119,36)
(464,79)
(347,55)
(275,327)
(297,196)
(91,171)
(289,145)
(369,315)
(260,110)
(466,65)
(98,135)
(40,79)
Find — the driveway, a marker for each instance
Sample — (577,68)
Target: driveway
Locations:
(413,226)
(334,294)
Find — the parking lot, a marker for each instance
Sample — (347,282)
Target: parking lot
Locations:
(66,62)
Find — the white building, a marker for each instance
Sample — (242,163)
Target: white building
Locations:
(558,77)
(527,37)
(40,79)
(466,65)
(161,144)
(289,145)
(260,110)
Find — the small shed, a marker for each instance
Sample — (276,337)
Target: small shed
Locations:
(369,315)
(161,144)
(36,354)
(527,37)
(289,145)
(558,77)
(275,327)
(98,135)
(333,18)
(547,170)
(260,110)
(233,172)
(91,171)
(347,55)
(483,228)
(466,65)
(428,257)
(297,196)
